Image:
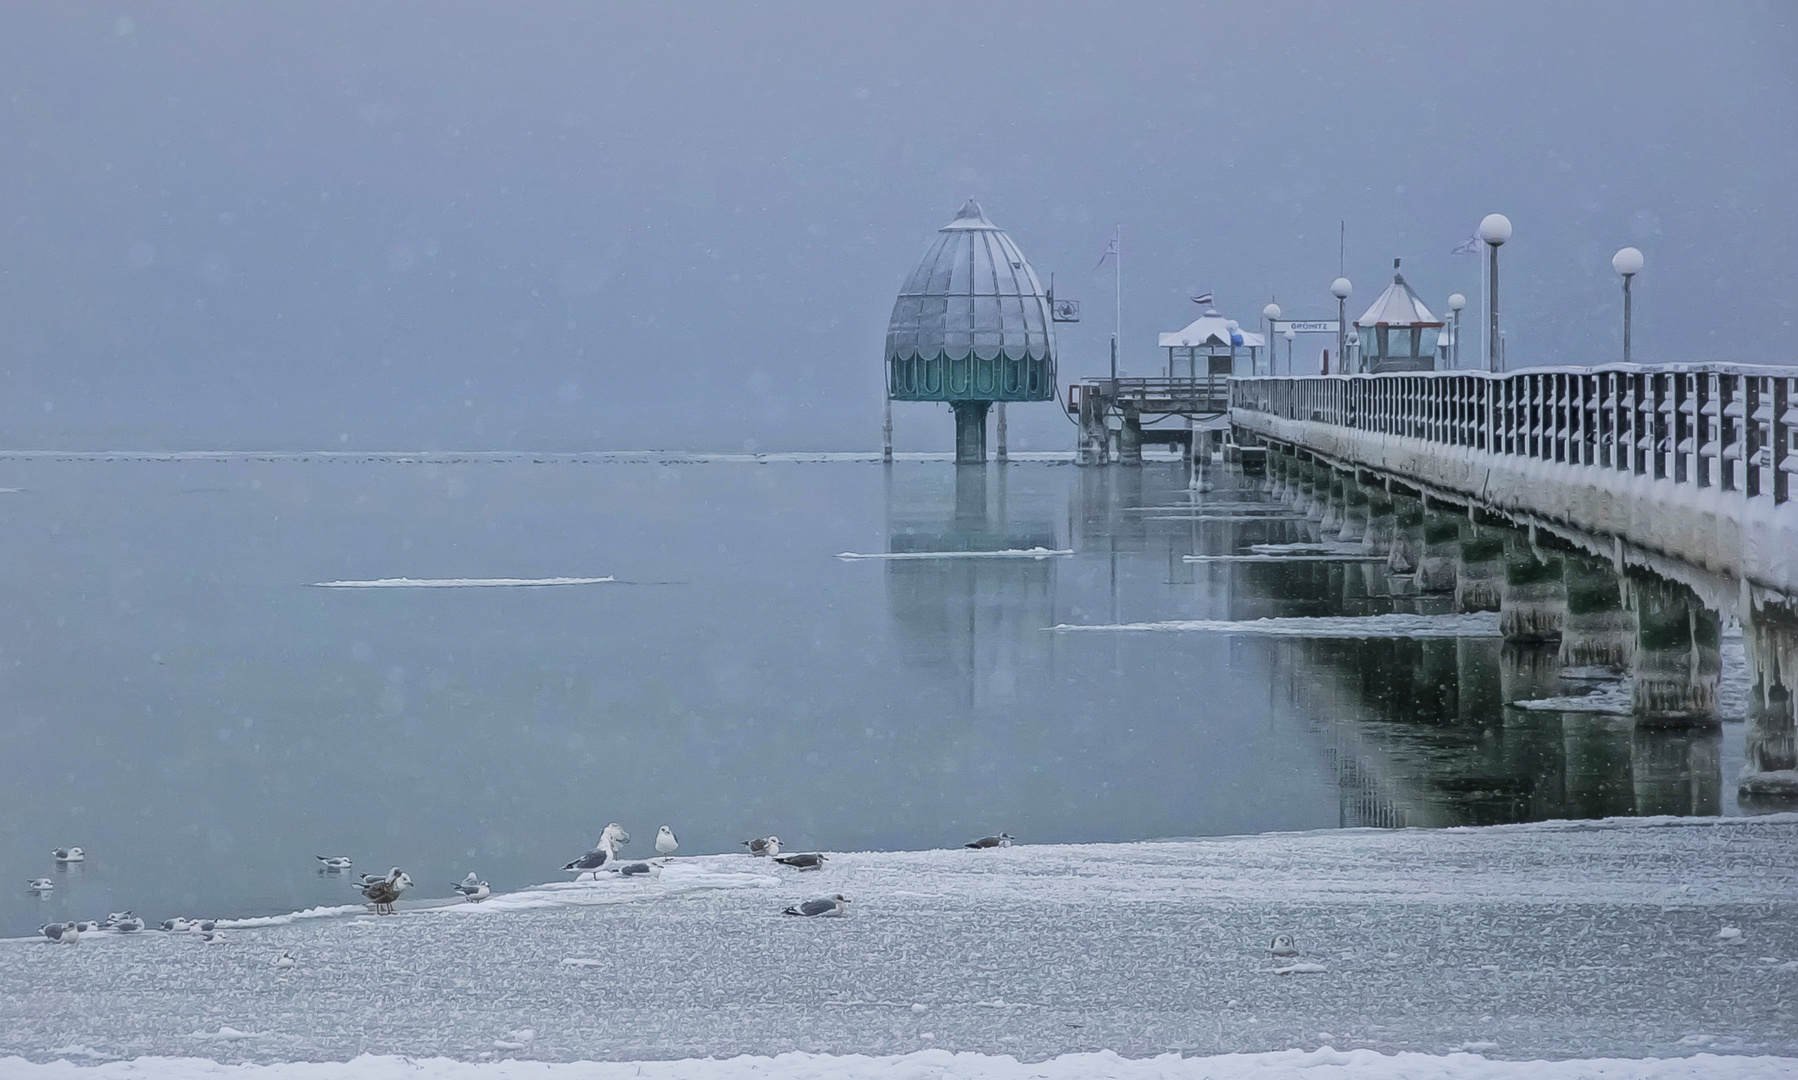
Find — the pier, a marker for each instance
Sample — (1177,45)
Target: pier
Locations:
(1623,514)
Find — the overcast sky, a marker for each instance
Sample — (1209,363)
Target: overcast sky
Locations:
(579,226)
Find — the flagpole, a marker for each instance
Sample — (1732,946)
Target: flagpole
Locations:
(1118,266)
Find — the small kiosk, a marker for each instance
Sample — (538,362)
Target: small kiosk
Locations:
(1398,333)
(1215,340)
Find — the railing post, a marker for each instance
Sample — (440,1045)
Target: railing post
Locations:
(1782,437)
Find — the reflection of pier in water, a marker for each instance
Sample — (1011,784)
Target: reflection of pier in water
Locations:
(1422,731)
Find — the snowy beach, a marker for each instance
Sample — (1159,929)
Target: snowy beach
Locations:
(1556,940)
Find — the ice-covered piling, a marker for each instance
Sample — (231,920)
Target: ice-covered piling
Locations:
(1334,502)
(1480,574)
(1599,630)
(1770,776)
(1678,659)
(1441,548)
(1407,535)
(1354,512)
(1534,598)
(1381,522)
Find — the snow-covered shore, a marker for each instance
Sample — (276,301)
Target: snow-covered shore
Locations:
(1563,940)
(1324,1064)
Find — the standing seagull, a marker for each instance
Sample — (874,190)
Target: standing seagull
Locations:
(763,846)
(472,889)
(69,854)
(386,892)
(835,906)
(665,841)
(1002,840)
(605,851)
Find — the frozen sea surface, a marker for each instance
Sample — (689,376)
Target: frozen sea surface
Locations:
(1556,940)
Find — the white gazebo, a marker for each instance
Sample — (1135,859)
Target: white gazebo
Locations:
(1398,333)
(1211,336)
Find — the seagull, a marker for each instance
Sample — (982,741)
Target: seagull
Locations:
(177,925)
(333,864)
(1002,840)
(835,906)
(85,926)
(114,918)
(386,892)
(212,937)
(1285,946)
(284,961)
(604,851)
(40,885)
(651,868)
(205,926)
(130,924)
(55,930)
(69,854)
(473,889)
(806,861)
(763,847)
(665,841)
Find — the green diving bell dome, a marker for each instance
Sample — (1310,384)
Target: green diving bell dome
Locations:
(972,323)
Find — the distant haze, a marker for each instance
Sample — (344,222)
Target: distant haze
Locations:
(574,226)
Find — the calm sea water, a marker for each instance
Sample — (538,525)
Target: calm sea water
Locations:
(177,698)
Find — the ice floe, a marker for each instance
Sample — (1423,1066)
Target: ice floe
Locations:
(1009,553)
(462,583)
(1479,624)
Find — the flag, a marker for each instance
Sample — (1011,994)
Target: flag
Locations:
(1467,246)
(1111,247)
(1202,298)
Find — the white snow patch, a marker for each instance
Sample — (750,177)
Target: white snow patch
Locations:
(1300,557)
(1325,1063)
(1301,969)
(461,583)
(1009,553)
(1481,624)
(225,1034)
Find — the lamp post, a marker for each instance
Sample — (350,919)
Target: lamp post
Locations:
(1340,289)
(1455,303)
(1627,262)
(1289,335)
(1272,314)
(1495,229)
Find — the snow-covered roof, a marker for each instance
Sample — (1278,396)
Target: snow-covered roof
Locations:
(1209,330)
(1398,306)
(973,293)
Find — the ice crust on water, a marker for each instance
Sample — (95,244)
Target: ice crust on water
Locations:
(1295,557)
(1545,939)
(1480,624)
(1612,696)
(462,583)
(1325,1063)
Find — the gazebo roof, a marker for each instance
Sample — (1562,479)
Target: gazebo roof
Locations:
(1398,306)
(1210,330)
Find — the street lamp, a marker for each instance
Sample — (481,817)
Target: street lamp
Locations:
(1272,314)
(1495,229)
(1340,289)
(1455,303)
(1628,262)
(1289,335)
